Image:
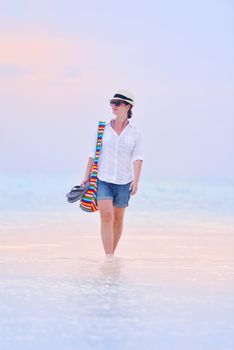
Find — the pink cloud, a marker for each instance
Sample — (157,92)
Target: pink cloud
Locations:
(56,67)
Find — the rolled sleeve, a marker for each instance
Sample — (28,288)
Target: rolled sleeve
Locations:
(93,148)
(92,152)
(137,153)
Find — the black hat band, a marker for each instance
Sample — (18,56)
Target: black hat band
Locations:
(122,96)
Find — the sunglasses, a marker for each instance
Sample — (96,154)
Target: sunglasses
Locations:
(117,103)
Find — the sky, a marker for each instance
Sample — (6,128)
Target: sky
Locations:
(61,62)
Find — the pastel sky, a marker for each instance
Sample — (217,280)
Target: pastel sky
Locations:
(61,61)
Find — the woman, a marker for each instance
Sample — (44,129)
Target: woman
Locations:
(119,169)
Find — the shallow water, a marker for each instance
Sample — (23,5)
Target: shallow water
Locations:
(169,287)
(56,296)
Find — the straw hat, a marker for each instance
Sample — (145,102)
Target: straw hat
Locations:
(124,95)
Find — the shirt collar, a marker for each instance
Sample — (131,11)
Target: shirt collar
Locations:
(109,122)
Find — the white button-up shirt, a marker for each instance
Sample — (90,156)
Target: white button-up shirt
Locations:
(118,153)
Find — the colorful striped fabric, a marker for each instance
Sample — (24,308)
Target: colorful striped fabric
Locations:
(88,201)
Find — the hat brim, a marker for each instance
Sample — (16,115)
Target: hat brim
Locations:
(122,99)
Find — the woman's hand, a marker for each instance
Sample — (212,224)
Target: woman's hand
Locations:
(133,187)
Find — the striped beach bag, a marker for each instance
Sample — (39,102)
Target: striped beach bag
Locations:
(88,201)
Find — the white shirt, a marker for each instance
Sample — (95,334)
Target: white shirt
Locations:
(118,152)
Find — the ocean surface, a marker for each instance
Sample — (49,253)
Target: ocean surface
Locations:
(27,198)
(170,285)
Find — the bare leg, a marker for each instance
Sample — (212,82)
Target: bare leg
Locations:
(117,225)
(107,217)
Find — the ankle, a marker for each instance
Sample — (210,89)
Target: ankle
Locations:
(109,255)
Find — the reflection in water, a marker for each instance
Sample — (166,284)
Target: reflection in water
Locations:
(84,303)
(111,268)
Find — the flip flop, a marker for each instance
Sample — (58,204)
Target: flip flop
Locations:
(77,192)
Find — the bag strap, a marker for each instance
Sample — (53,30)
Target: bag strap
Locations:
(101,127)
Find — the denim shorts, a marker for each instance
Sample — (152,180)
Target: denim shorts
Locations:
(119,194)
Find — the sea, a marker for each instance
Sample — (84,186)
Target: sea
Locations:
(162,202)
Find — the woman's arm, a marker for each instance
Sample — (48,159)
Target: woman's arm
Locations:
(137,173)
(88,168)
